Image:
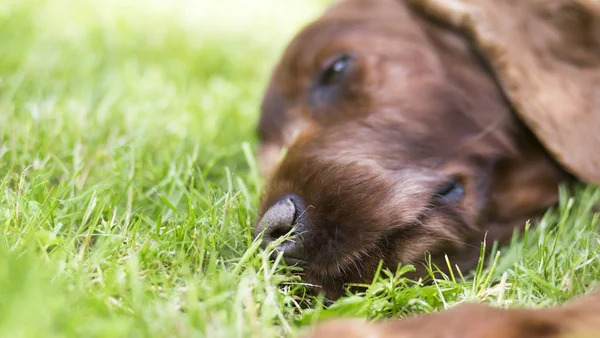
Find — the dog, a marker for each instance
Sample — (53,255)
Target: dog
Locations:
(386,137)
(399,143)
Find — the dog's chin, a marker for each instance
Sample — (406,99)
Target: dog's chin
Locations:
(338,277)
(335,278)
(330,287)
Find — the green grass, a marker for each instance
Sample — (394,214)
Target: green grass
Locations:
(128,186)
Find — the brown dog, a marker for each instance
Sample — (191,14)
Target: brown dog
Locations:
(400,143)
(386,137)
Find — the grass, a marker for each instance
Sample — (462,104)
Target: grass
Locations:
(128,186)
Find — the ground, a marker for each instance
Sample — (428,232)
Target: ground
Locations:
(128,183)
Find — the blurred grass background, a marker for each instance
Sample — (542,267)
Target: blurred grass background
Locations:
(128,187)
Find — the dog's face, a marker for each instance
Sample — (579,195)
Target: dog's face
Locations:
(398,144)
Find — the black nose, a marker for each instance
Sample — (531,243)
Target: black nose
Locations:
(282,218)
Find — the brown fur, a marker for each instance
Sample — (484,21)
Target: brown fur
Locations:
(579,318)
(416,108)
(546,57)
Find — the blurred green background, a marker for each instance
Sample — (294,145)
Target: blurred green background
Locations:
(127,178)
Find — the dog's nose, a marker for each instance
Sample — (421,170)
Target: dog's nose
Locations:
(282,218)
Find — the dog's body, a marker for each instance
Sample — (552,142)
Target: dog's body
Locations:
(579,318)
(400,143)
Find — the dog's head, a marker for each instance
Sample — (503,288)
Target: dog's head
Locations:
(385,139)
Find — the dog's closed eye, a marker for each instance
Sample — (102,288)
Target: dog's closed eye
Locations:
(450,191)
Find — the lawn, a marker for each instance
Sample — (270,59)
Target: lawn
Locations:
(128,184)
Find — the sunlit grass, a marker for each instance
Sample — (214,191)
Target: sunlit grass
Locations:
(128,190)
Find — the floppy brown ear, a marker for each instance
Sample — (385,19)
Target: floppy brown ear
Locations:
(546,57)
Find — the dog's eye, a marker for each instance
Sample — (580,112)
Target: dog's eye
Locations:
(334,70)
(451,190)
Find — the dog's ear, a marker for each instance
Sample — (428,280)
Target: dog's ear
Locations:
(546,57)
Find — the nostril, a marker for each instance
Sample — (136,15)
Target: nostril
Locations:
(280,219)
(278,232)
